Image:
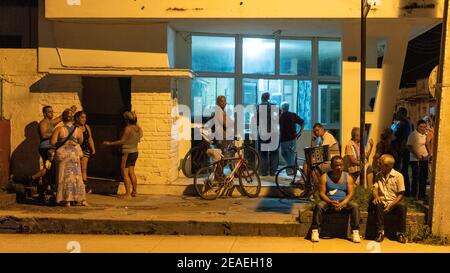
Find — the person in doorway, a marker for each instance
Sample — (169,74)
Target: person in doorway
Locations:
(131,136)
(87,146)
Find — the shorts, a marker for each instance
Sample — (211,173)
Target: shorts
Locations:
(43,152)
(87,153)
(131,159)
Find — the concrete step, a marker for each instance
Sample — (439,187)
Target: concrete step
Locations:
(170,215)
(7,199)
(181,186)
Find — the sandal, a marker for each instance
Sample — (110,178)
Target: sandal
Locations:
(87,187)
(133,194)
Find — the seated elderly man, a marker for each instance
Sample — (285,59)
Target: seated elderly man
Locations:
(336,192)
(388,192)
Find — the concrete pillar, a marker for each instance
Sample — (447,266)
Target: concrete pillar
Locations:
(389,77)
(440,203)
(350,81)
(152,101)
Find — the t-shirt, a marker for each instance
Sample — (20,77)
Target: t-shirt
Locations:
(401,134)
(328,139)
(352,149)
(288,126)
(418,142)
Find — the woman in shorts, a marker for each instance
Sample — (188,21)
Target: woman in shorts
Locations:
(87,146)
(130,138)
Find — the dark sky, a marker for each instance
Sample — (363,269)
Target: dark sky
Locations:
(421,57)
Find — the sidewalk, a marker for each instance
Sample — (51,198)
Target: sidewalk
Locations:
(160,214)
(201,244)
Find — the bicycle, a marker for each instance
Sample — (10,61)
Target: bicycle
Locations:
(293,181)
(197,158)
(211,182)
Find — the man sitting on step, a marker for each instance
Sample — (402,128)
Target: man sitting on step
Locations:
(388,191)
(336,189)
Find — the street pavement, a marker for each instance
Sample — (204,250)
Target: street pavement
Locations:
(51,243)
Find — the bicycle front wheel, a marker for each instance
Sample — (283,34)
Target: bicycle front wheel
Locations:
(291,181)
(249,181)
(206,184)
(194,160)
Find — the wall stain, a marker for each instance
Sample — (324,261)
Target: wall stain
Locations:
(176,9)
(415,5)
(183,9)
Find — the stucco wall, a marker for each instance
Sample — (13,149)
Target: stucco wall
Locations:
(151,98)
(440,202)
(88,45)
(234,9)
(25,92)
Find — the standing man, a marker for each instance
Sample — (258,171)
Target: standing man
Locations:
(336,190)
(388,192)
(419,149)
(288,133)
(46,128)
(401,133)
(267,123)
(223,129)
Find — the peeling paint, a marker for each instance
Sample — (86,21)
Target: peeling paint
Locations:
(183,9)
(176,9)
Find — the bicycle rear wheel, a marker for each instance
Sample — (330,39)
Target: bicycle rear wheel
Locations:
(249,181)
(291,181)
(206,184)
(193,161)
